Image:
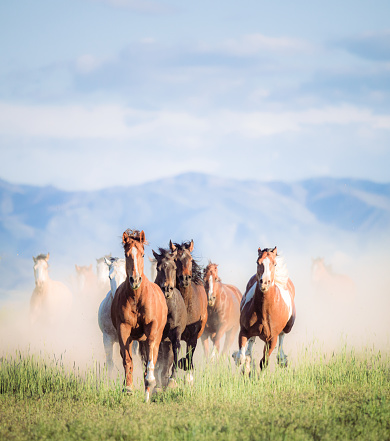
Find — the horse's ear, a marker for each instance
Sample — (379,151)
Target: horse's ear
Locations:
(142,237)
(47,257)
(107,261)
(125,238)
(34,259)
(259,252)
(156,256)
(172,246)
(274,251)
(191,247)
(174,253)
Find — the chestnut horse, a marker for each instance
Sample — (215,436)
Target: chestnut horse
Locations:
(267,309)
(223,311)
(138,312)
(189,282)
(51,300)
(176,321)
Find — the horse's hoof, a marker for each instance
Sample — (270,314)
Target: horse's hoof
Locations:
(189,380)
(172,383)
(157,390)
(128,390)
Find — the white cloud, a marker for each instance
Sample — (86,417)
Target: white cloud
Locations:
(117,122)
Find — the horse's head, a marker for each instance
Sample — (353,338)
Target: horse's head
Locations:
(102,269)
(84,275)
(41,269)
(183,261)
(266,263)
(318,269)
(133,243)
(116,272)
(210,276)
(166,271)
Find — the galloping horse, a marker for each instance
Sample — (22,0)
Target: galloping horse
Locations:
(138,312)
(87,282)
(116,275)
(330,284)
(223,311)
(51,300)
(190,283)
(177,317)
(267,309)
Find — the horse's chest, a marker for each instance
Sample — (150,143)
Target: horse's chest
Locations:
(213,321)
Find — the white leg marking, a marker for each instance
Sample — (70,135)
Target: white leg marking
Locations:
(150,372)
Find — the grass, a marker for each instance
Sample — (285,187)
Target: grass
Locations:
(342,397)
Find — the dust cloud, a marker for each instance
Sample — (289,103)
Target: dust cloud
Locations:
(328,319)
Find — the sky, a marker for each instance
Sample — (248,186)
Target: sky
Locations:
(103,93)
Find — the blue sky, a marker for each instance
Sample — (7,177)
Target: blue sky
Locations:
(98,93)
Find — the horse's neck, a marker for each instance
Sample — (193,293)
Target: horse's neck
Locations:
(220,294)
(186,293)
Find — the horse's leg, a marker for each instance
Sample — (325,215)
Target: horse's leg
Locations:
(152,344)
(175,350)
(205,342)
(125,349)
(268,348)
(168,362)
(217,341)
(159,365)
(108,342)
(281,357)
(239,356)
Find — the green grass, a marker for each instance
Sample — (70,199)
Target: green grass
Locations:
(342,397)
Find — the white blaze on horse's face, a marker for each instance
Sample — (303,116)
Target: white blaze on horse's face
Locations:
(210,292)
(267,277)
(41,271)
(135,273)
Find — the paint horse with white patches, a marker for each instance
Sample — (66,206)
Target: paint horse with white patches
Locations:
(190,284)
(223,311)
(116,276)
(267,309)
(176,321)
(51,300)
(138,312)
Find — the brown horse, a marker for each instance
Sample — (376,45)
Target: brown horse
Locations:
(223,311)
(267,309)
(190,284)
(138,312)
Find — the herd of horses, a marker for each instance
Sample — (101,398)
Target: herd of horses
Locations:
(184,303)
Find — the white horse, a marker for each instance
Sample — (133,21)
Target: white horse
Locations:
(102,273)
(117,275)
(51,300)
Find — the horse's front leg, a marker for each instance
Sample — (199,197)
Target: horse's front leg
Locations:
(125,344)
(268,349)
(175,350)
(108,342)
(281,357)
(239,356)
(152,345)
(205,343)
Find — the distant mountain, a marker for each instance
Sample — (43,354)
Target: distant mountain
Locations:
(228,220)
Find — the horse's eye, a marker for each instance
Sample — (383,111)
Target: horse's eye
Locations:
(143,255)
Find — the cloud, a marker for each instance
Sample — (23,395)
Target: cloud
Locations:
(372,46)
(177,128)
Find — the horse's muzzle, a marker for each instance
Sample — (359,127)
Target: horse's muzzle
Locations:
(168,292)
(211,301)
(185,281)
(135,283)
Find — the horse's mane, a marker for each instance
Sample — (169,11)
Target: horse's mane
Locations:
(135,235)
(281,272)
(41,256)
(197,270)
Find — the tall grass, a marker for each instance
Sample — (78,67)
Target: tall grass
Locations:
(342,396)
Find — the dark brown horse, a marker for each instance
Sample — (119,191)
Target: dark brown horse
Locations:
(189,282)
(176,321)
(223,311)
(138,312)
(267,309)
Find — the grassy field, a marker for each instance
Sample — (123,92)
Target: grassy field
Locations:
(345,396)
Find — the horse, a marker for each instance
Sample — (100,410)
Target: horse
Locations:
(176,320)
(190,284)
(138,312)
(51,300)
(328,283)
(116,275)
(87,282)
(223,311)
(267,309)
(102,270)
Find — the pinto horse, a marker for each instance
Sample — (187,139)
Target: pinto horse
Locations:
(190,283)
(116,275)
(223,311)
(177,317)
(51,300)
(138,312)
(267,309)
